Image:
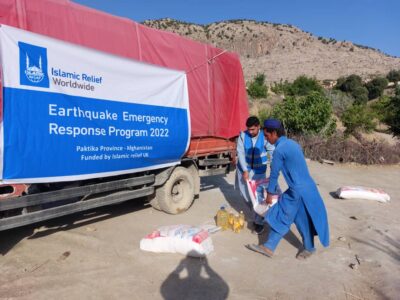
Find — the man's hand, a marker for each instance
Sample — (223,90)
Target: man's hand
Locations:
(268,200)
(245,175)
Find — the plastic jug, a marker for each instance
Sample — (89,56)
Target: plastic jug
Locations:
(241,219)
(222,218)
(231,220)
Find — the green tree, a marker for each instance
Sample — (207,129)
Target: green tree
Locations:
(339,82)
(353,85)
(393,116)
(393,76)
(257,87)
(360,95)
(376,87)
(303,86)
(358,117)
(306,114)
(380,108)
(349,84)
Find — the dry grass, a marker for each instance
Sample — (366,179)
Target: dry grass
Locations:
(358,150)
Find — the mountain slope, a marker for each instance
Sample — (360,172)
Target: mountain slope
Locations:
(284,52)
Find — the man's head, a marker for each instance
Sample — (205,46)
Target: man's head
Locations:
(253,126)
(273,130)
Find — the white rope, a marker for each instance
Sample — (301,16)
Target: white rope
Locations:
(206,62)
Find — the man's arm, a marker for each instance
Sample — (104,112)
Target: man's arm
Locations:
(276,167)
(242,156)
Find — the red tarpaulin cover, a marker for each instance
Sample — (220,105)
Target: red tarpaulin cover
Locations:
(217,93)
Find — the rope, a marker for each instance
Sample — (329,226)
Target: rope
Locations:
(208,61)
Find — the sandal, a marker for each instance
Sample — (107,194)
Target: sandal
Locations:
(304,254)
(260,249)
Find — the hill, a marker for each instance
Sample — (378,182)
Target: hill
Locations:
(283,52)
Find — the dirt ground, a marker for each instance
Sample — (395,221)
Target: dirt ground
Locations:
(96,255)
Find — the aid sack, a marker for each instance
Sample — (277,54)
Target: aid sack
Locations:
(184,239)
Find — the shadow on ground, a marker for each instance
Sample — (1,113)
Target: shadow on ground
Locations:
(389,246)
(10,238)
(193,279)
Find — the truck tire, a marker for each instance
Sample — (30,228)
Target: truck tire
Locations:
(152,199)
(177,194)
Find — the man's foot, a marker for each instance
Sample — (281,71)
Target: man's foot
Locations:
(258,228)
(304,254)
(260,249)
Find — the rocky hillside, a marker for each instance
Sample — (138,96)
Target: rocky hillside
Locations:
(284,51)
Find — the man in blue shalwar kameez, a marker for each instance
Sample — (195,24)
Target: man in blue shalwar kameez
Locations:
(253,152)
(300,204)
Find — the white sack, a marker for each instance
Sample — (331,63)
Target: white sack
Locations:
(185,239)
(257,191)
(359,192)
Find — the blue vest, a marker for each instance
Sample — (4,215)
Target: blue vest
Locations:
(256,157)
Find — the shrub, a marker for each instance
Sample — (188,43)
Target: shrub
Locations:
(360,95)
(353,85)
(281,87)
(358,117)
(380,108)
(393,113)
(339,83)
(257,87)
(340,101)
(338,148)
(349,84)
(376,87)
(303,86)
(264,114)
(393,75)
(306,114)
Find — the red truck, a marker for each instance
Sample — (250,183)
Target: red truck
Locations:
(217,104)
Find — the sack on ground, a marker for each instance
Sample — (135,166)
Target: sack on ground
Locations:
(257,191)
(184,239)
(359,192)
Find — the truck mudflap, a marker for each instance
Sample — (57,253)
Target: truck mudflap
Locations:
(118,191)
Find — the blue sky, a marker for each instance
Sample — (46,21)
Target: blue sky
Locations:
(373,23)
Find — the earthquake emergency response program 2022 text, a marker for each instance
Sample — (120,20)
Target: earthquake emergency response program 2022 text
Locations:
(54,110)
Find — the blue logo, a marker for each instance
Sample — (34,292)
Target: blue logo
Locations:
(33,65)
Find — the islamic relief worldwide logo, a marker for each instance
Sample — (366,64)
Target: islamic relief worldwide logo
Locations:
(34,73)
(33,65)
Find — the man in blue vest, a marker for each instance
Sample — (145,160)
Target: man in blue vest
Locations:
(300,204)
(253,152)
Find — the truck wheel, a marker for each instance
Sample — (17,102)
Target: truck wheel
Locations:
(177,194)
(152,199)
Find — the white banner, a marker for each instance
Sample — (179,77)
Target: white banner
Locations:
(71,113)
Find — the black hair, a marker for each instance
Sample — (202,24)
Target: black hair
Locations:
(279,131)
(252,121)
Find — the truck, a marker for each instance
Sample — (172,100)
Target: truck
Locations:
(96,110)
